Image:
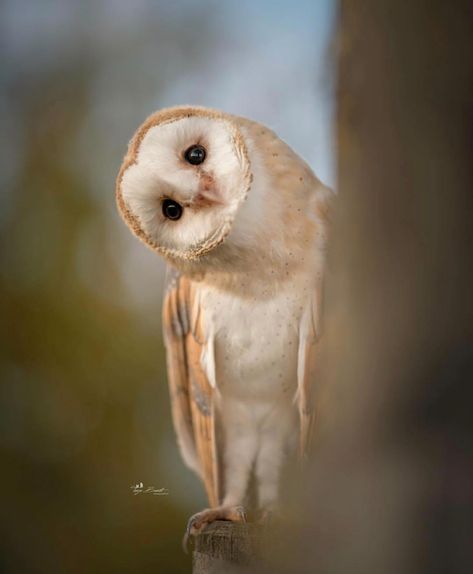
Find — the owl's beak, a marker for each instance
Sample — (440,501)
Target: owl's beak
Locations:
(207,197)
(208,192)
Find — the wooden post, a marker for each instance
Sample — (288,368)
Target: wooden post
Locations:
(227,547)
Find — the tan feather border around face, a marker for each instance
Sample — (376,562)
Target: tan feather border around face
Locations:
(165,116)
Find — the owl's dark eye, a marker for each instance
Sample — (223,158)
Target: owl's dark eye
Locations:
(195,155)
(172,209)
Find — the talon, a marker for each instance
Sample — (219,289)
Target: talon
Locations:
(241,513)
(188,533)
(185,542)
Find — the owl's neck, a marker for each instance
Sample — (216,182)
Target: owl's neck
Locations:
(247,275)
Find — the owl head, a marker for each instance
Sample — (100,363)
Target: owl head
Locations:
(183,180)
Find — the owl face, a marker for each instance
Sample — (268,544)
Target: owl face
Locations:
(183,180)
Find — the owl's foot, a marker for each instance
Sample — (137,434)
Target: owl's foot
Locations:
(199,521)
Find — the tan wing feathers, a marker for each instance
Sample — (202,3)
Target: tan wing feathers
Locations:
(178,378)
(310,335)
(192,397)
(203,419)
(305,402)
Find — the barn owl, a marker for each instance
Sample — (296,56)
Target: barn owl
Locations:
(242,222)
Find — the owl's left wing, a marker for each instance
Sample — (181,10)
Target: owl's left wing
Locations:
(310,340)
(192,396)
(309,350)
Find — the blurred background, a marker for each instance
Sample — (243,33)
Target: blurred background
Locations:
(84,402)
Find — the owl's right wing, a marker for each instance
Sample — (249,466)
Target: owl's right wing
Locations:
(192,396)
